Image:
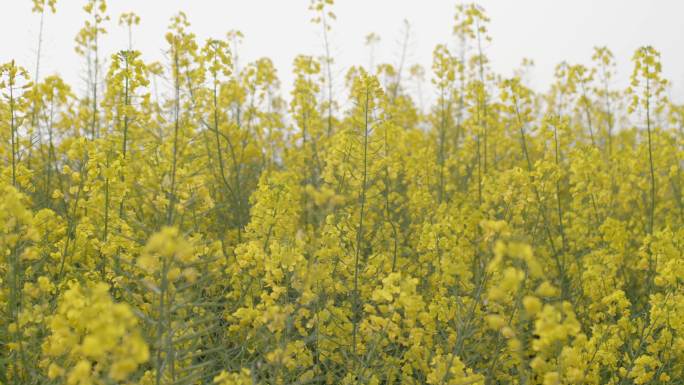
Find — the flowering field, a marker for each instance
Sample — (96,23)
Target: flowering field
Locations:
(185,222)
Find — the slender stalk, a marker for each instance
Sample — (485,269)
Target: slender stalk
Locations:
(483,117)
(478,142)
(13,130)
(442,146)
(219,152)
(159,360)
(93,124)
(388,211)
(106,220)
(36,77)
(40,47)
(328,72)
(651,211)
(587,112)
(176,129)
(360,228)
(558,196)
(51,154)
(124,140)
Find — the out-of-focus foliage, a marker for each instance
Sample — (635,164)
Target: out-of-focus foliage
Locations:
(185,223)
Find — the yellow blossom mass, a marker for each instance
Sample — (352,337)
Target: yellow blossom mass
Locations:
(184,222)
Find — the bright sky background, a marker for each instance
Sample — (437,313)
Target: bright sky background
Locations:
(547,31)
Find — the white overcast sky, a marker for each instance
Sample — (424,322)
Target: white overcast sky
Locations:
(547,31)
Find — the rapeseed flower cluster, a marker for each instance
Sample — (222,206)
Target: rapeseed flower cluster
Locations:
(185,223)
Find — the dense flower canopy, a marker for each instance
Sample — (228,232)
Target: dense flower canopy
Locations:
(185,223)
